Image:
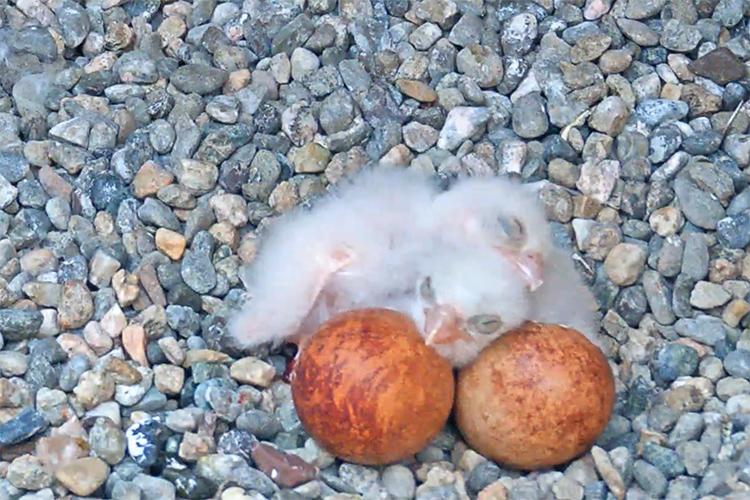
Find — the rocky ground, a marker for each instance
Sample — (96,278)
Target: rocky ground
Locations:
(143,147)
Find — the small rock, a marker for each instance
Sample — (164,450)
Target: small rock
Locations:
(707,295)
(252,371)
(624,263)
(284,469)
(83,476)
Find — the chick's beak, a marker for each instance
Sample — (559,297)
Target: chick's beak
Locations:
(530,265)
(442,324)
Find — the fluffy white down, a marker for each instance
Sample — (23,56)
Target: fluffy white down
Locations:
(366,217)
(398,228)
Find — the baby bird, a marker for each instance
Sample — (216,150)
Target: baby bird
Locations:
(350,231)
(505,215)
(498,213)
(465,299)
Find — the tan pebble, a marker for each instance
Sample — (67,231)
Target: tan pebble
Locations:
(734,312)
(169,379)
(170,242)
(150,178)
(99,341)
(152,286)
(37,154)
(624,264)
(172,350)
(397,156)
(54,184)
(230,208)
(94,388)
(73,344)
(83,476)
(666,221)
(585,207)
(608,472)
(123,372)
(104,224)
(237,80)
(470,459)
(134,342)
(126,287)
(685,399)
(211,305)
(284,197)
(76,306)
(252,371)
(194,446)
(493,491)
(103,266)
(226,234)
(204,356)
(38,261)
(182,215)
(114,321)
(671,91)
(417,90)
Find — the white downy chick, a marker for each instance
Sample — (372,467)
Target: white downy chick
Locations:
(497,213)
(350,231)
(467,297)
(505,215)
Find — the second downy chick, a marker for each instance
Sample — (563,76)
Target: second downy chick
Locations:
(466,298)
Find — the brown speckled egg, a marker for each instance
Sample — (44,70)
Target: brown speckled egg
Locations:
(537,397)
(369,390)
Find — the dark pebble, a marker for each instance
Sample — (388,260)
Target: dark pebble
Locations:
(675,360)
(703,143)
(664,459)
(483,475)
(632,304)
(144,441)
(734,231)
(259,423)
(19,325)
(236,442)
(23,426)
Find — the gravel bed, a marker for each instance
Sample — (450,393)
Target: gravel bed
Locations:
(144,146)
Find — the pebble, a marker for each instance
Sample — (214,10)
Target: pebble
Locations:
(461,124)
(624,264)
(83,476)
(737,363)
(23,426)
(707,295)
(399,482)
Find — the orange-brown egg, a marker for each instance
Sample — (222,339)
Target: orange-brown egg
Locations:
(537,397)
(369,390)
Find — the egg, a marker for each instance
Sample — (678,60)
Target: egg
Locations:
(537,397)
(369,390)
